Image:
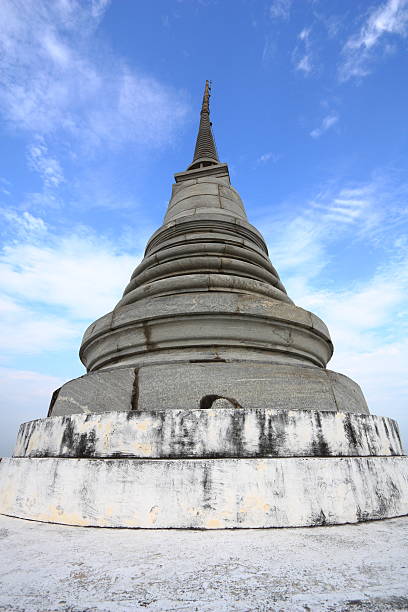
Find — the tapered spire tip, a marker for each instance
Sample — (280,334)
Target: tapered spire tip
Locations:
(205,153)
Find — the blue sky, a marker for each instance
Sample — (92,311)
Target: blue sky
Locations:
(99,105)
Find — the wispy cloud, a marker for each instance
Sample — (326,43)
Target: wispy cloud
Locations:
(280,9)
(301,240)
(27,396)
(305,64)
(80,272)
(367,315)
(56,77)
(53,284)
(268,157)
(302,56)
(29,330)
(48,167)
(328,122)
(25,225)
(5,186)
(363,48)
(269,50)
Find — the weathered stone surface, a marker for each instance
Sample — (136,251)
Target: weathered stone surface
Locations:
(250,385)
(220,431)
(184,385)
(205,493)
(359,568)
(98,392)
(262,326)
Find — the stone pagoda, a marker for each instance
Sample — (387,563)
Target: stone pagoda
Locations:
(207,402)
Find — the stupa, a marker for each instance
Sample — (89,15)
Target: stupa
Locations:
(207,403)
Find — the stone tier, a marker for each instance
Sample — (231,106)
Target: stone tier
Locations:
(205,493)
(206,469)
(210,433)
(207,381)
(205,286)
(212,325)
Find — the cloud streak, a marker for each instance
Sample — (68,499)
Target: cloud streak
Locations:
(280,9)
(328,122)
(80,272)
(48,167)
(54,77)
(302,56)
(390,19)
(367,316)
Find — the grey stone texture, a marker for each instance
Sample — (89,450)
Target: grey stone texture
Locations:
(100,391)
(219,323)
(186,385)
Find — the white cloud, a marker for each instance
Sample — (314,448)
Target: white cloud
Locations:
(48,167)
(359,52)
(25,224)
(326,124)
(300,243)
(28,331)
(367,316)
(305,64)
(280,9)
(302,56)
(266,157)
(80,272)
(5,186)
(24,396)
(368,324)
(54,76)
(53,285)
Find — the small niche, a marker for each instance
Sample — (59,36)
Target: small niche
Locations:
(208,401)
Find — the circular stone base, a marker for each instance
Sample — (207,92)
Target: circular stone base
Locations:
(213,433)
(204,493)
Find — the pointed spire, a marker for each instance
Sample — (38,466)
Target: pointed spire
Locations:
(205,152)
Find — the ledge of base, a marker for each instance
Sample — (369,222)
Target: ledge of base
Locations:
(216,432)
(204,493)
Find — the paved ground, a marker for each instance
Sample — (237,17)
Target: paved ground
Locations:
(47,567)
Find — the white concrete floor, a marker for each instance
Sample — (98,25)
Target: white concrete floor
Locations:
(45,568)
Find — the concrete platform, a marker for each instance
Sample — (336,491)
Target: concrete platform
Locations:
(204,493)
(49,568)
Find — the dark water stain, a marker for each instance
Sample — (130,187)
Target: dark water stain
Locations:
(362,515)
(273,433)
(150,345)
(68,436)
(319,519)
(134,402)
(207,488)
(320,448)
(350,432)
(234,433)
(85,444)
(74,444)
